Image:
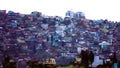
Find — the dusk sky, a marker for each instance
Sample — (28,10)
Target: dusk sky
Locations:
(93,9)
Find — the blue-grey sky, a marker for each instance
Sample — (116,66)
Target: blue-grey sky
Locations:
(93,9)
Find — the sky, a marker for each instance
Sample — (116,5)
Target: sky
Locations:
(93,9)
